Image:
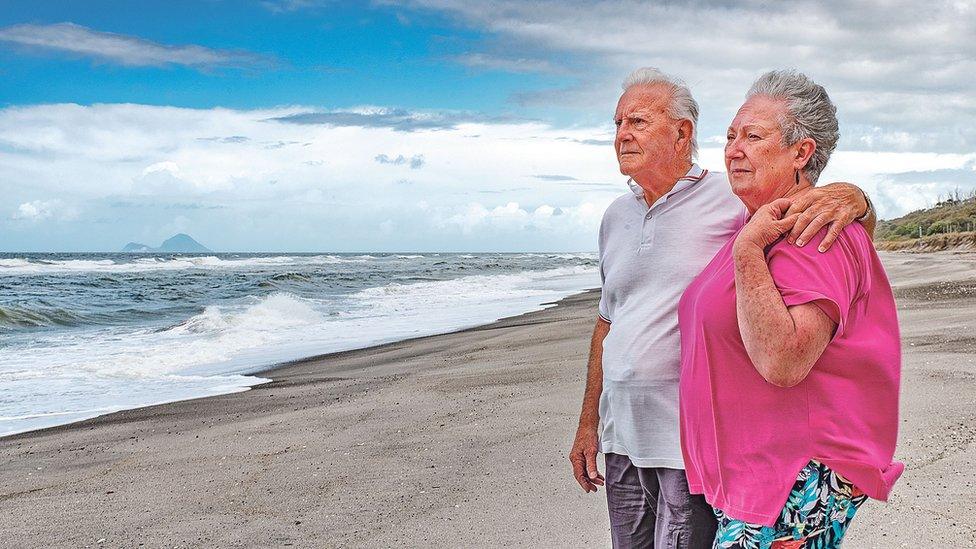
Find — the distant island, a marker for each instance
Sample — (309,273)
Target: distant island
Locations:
(181,243)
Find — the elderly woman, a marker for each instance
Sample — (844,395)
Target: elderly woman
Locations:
(790,357)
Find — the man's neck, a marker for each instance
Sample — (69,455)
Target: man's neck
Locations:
(658,184)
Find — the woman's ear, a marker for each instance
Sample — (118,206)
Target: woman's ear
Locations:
(804,150)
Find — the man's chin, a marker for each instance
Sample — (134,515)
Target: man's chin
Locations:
(628,168)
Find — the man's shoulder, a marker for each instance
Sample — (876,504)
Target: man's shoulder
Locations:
(623,203)
(715,189)
(718,184)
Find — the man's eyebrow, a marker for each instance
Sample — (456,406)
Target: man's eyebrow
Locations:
(643,113)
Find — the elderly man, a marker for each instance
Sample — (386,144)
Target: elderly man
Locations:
(653,241)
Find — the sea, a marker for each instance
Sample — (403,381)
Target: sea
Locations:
(83,335)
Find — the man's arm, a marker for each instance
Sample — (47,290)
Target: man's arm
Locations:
(836,205)
(868,220)
(586,445)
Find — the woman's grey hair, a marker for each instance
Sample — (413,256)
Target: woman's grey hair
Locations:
(809,113)
(683,105)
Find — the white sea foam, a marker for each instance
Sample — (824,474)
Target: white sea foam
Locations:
(24,267)
(65,375)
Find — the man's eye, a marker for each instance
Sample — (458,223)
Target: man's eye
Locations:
(730,137)
(639,124)
(618,122)
(754,137)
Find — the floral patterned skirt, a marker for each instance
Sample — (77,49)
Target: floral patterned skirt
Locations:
(817,513)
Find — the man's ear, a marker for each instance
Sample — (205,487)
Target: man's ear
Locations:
(685,131)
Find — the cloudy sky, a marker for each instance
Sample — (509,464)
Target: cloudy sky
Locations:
(304,125)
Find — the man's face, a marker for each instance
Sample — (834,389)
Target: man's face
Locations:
(646,135)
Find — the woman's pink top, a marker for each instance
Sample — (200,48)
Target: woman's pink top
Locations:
(744,440)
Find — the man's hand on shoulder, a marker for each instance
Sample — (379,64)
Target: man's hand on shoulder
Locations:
(583,458)
(836,205)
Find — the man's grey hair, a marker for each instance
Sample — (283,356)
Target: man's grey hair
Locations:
(683,106)
(809,113)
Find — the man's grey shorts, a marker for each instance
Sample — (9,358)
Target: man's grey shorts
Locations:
(651,507)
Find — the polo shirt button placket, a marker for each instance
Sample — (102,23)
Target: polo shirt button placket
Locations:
(644,241)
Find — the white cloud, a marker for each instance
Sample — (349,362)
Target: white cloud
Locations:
(502,63)
(39,210)
(286,6)
(33,210)
(511,220)
(137,168)
(122,49)
(140,172)
(415,162)
(895,69)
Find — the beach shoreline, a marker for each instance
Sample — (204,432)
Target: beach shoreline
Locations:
(121,333)
(347,388)
(456,439)
(266,372)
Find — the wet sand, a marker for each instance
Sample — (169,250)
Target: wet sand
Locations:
(452,440)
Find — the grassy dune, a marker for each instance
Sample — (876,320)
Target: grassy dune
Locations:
(949,225)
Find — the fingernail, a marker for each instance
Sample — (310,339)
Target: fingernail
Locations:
(822,249)
(800,243)
(790,240)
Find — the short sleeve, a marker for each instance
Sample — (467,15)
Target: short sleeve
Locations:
(832,280)
(602,243)
(604,307)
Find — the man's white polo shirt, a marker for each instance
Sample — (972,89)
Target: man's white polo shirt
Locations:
(648,256)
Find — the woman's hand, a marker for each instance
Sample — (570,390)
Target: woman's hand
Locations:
(768,224)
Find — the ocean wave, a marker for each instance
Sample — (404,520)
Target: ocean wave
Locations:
(266,315)
(209,343)
(19,317)
(93,411)
(18,266)
(26,267)
(465,291)
(575,255)
(466,282)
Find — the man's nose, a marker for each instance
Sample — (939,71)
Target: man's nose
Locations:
(732,149)
(624,133)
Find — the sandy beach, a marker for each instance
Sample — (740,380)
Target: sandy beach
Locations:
(457,440)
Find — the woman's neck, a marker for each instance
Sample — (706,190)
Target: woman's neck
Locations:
(797,190)
(792,191)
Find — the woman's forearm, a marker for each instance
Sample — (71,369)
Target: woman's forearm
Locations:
(781,351)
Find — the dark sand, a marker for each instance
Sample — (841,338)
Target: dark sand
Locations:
(452,440)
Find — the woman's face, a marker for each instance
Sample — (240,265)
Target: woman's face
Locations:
(760,167)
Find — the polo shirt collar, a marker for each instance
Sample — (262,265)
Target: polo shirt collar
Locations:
(694,175)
